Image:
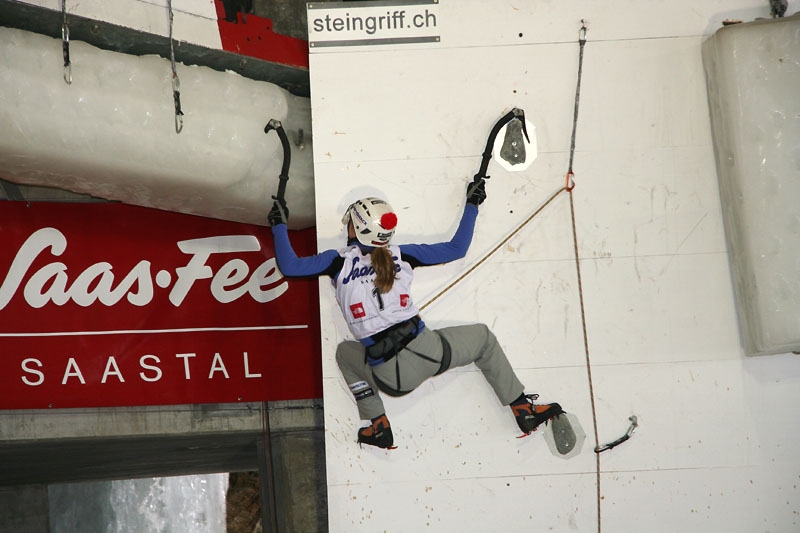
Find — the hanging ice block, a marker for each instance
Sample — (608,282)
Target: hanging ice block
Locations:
(111,132)
(753,77)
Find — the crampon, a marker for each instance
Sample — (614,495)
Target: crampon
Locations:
(530,416)
(378,433)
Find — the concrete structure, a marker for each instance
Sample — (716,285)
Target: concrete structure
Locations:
(283,441)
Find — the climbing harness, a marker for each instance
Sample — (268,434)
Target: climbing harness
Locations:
(283,178)
(389,342)
(444,365)
(65,43)
(176,82)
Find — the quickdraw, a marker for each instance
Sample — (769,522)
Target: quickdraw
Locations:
(65,44)
(176,82)
(570,184)
(634,424)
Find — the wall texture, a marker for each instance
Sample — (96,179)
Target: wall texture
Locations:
(408,122)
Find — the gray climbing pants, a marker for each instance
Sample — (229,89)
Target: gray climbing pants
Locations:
(421,359)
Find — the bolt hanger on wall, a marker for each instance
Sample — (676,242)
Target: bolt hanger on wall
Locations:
(65,43)
(176,82)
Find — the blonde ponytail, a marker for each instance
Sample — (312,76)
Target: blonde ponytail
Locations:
(385,270)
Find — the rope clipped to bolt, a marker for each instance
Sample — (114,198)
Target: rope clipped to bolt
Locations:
(176,82)
(570,183)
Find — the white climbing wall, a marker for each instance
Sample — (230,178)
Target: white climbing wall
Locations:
(715,447)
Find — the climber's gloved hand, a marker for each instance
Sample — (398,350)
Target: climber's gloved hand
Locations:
(279,214)
(476,192)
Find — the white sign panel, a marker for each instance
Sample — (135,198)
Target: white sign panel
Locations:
(380,22)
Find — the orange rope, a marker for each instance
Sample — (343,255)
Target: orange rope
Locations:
(492,251)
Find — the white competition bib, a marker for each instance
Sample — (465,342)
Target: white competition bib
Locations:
(366,310)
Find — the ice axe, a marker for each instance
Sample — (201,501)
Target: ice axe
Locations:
(515,113)
(283,178)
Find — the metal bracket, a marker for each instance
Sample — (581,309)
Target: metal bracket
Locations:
(11,190)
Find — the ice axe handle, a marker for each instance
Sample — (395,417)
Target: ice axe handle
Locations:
(487,152)
(283,178)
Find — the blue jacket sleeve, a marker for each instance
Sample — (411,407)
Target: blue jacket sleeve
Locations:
(444,252)
(292,266)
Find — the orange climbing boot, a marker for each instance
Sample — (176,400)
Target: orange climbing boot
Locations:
(530,415)
(379,434)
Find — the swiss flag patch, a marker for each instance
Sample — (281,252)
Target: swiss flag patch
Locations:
(358,310)
(404,298)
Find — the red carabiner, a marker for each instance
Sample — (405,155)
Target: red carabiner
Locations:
(570,181)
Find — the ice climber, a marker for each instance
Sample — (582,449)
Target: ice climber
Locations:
(395,351)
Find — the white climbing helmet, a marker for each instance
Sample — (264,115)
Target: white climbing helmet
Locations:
(373,220)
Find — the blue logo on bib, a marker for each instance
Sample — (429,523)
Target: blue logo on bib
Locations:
(356,272)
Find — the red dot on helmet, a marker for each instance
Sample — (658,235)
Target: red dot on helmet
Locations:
(388,220)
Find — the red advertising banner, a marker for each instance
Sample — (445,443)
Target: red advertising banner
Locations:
(114,305)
